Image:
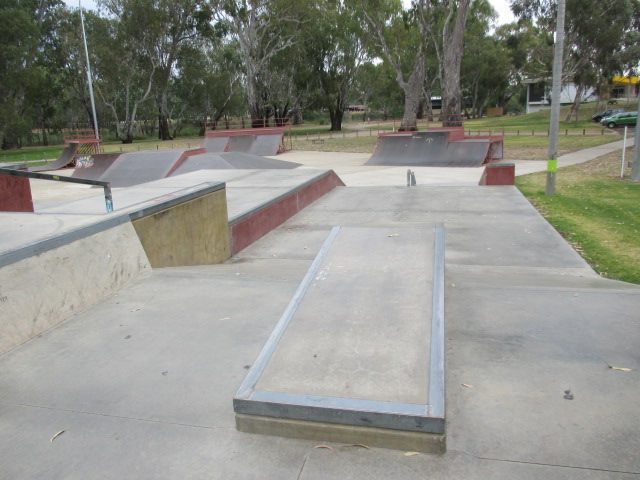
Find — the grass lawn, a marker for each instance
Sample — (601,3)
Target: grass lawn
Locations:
(360,144)
(596,212)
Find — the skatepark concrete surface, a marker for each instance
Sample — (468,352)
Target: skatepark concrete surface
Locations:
(141,385)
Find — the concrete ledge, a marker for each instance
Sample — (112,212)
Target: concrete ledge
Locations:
(330,432)
(256,223)
(48,281)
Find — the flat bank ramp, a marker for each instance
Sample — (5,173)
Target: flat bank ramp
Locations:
(266,145)
(345,365)
(92,167)
(256,141)
(436,148)
(135,168)
(65,159)
(230,161)
(216,144)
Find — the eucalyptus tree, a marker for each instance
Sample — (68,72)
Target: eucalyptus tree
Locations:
(399,37)
(377,88)
(209,83)
(262,29)
(335,51)
(406,38)
(449,48)
(486,65)
(124,73)
(163,30)
(600,38)
(527,53)
(22,38)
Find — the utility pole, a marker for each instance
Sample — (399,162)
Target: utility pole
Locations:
(89,80)
(554,122)
(635,171)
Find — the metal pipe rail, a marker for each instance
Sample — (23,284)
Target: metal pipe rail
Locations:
(108,199)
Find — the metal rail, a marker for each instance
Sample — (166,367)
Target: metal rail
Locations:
(108,199)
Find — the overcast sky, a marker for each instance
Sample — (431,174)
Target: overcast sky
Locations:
(501,6)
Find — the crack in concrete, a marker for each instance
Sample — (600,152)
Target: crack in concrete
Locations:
(524,462)
(122,417)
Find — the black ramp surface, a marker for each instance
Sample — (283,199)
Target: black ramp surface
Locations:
(92,167)
(230,160)
(216,144)
(204,161)
(141,167)
(429,149)
(466,153)
(266,145)
(247,161)
(65,158)
(240,143)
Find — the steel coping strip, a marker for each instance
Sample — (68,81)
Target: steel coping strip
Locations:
(268,203)
(436,366)
(263,358)
(13,256)
(428,418)
(348,411)
(499,165)
(177,198)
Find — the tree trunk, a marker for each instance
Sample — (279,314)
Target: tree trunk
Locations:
(420,112)
(573,113)
(45,138)
(336,119)
(10,142)
(453,49)
(411,104)
(297,113)
(163,125)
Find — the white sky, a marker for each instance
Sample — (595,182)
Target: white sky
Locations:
(501,6)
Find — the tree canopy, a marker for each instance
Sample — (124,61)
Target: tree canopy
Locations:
(165,65)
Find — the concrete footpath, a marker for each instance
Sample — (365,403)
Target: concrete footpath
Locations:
(141,385)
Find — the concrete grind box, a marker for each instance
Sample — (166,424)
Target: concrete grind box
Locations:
(358,355)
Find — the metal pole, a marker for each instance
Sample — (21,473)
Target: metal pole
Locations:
(89,81)
(635,171)
(624,151)
(554,122)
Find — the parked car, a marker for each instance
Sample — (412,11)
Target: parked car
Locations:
(607,113)
(625,118)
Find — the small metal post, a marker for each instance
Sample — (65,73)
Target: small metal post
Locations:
(624,151)
(108,199)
